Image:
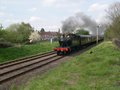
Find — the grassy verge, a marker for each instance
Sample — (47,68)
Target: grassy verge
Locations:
(7,54)
(99,70)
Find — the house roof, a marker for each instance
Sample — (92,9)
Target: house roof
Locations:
(49,33)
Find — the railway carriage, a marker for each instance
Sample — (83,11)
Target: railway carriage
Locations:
(72,42)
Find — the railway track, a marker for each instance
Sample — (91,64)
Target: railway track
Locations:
(14,69)
(24,58)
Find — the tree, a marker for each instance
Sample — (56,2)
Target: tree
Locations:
(42,30)
(82,32)
(13,27)
(1,27)
(19,33)
(108,34)
(34,37)
(1,32)
(24,31)
(113,30)
(3,42)
(113,11)
(113,14)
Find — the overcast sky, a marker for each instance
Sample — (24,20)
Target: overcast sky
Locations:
(49,13)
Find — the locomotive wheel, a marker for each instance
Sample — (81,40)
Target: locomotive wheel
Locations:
(64,53)
(58,53)
(68,52)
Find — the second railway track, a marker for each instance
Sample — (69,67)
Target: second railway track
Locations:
(17,68)
(25,59)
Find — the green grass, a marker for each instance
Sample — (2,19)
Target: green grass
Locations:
(7,54)
(97,71)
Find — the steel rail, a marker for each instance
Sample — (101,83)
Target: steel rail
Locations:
(8,64)
(2,80)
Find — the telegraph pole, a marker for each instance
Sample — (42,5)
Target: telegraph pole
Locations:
(97,34)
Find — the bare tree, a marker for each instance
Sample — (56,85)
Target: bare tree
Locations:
(114,11)
(113,14)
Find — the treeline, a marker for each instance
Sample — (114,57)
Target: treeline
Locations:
(82,31)
(15,33)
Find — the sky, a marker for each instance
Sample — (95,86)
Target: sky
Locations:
(49,14)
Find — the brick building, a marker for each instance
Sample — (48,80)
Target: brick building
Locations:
(48,35)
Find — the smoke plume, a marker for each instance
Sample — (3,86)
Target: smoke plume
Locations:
(80,20)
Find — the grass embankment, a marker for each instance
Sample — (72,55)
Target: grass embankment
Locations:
(7,54)
(99,70)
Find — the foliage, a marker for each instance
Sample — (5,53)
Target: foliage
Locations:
(108,34)
(18,33)
(99,70)
(12,36)
(13,27)
(82,32)
(34,37)
(7,54)
(115,28)
(2,31)
(117,42)
(113,13)
(1,27)
(42,30)
(24,31)
(4,44)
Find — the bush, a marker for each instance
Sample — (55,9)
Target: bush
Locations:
(116,42)
(4,44)
(18,33)
(113,29)
(34,37)
(108,34)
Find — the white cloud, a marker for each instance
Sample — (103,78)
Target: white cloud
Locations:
(61,3)
(38,23)
(32,9)
(3,7)
(2,14)
(34,19)
(97,7)
(9,21)
(60,9)
(48,2)
(77,11)
(98,11)
(65,5)
(100,18)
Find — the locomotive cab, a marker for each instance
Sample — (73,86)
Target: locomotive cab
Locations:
(64,45)
(65,41)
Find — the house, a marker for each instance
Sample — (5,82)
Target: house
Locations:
(48,35)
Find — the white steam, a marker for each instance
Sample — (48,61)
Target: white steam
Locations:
(80,20)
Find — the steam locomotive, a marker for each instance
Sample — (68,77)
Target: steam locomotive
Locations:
(72,42)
